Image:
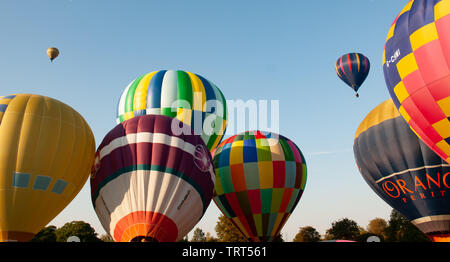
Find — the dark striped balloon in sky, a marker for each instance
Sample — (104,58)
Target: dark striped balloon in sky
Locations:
(353,68)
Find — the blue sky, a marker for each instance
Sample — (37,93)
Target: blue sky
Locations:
(260,50)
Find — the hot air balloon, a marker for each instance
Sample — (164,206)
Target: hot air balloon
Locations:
(47,150)
(260,177)
(416,68)
(353,69)
(188,97)
(403,171)
(52,53)
(150,184)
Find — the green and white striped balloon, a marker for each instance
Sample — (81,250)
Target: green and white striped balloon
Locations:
(189,97)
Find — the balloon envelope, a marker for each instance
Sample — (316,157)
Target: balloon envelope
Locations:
(353,68)
(52,53)
(189,97)
(403,171)
(260,177)
(46,153)
(416,68)
(149,183)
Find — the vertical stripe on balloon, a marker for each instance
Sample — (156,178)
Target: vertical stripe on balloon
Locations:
(130,96)
(140,95)
(155,86)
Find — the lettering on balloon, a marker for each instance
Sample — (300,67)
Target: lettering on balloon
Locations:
(184,199)
(418,187)
(393,58)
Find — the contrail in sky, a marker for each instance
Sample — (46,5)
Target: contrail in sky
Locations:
(330,152)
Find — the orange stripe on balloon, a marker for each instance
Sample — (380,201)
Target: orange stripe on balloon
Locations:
(145,224)
(341,66)
(238,177)
(357,60)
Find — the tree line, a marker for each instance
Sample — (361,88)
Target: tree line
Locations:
(80,229)
(396,229)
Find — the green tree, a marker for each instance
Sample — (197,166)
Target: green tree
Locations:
(227,232)
(278,238)
(47,234)
(307,234)
(80,229)
(198,236)
(345,229)
(210,238)
(399,229)
(377,226)
(106,238)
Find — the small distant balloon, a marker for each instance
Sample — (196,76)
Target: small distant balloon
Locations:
(52,53)
(353,69)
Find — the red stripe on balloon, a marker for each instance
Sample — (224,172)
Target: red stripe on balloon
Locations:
(287,194)
(254,197)
(279,174)
(431,62)
(349,63)
(443,27)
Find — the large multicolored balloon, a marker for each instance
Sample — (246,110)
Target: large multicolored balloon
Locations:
(416,68)
(188,97)
(260,177)
(353,68)
(403,171)
(149,183)
(46,153)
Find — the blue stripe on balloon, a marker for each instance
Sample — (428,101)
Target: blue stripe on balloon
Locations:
(154,90)
(210,95)
(140,112)
(9,97)
(224,157)
(251,154)
(421,14)
(401,30)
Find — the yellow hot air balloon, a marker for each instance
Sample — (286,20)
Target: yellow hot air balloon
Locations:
(52,53)
(46,152)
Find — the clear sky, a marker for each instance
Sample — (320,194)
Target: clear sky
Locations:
(255,49)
